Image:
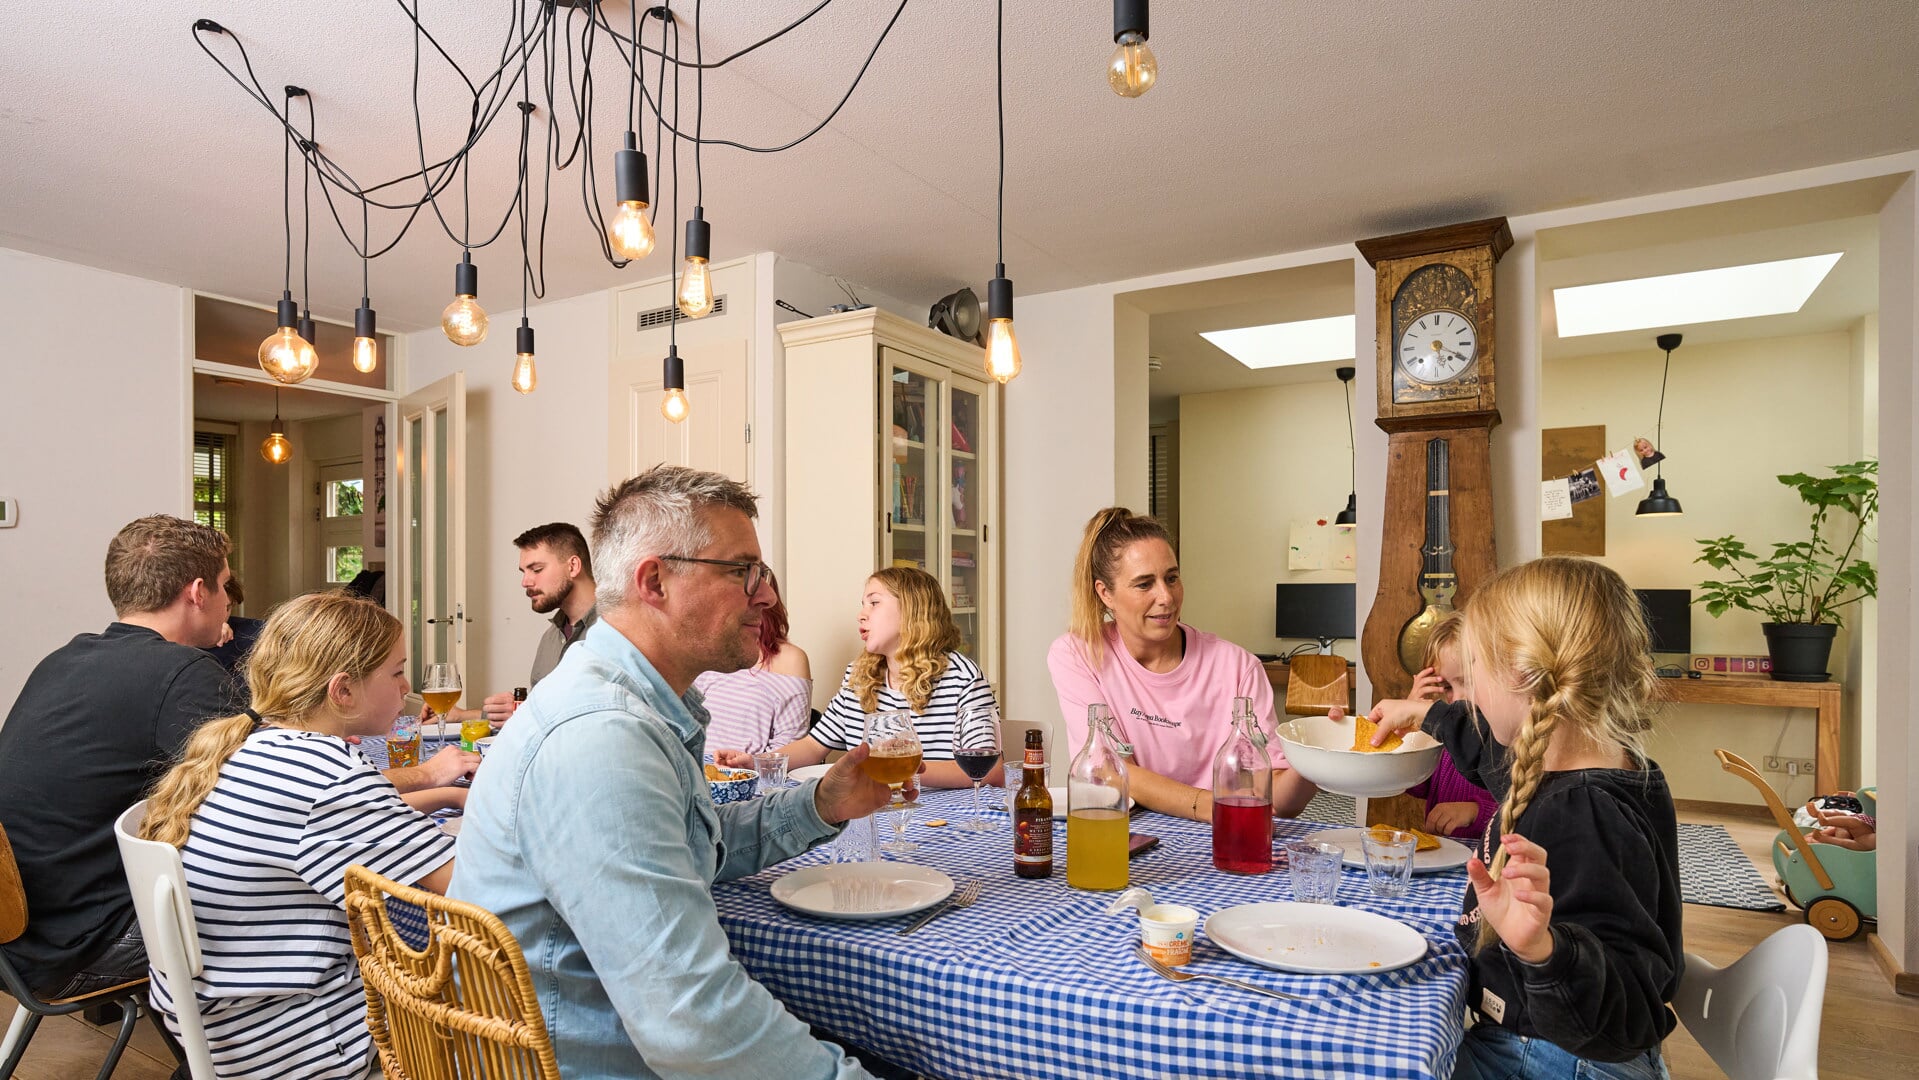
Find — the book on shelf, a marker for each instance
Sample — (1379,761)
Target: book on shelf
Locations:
(962,558)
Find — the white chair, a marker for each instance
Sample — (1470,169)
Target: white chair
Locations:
(1759,1018)
(165,910)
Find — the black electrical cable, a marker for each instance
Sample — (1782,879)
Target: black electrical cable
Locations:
(1659,429)
(999,90)
(286,200)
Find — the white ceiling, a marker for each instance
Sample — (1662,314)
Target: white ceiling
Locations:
(1273,128)
(237,400)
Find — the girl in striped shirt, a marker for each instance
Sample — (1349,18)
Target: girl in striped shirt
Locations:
(268,809)
(911,663)
(767,705)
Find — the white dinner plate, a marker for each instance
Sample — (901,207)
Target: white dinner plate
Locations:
(451,826)
(1320,938)
(1059,801)
(1451,854)
(806,772)
(863,891)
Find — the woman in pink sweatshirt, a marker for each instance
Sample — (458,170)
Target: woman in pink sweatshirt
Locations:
(1170,687)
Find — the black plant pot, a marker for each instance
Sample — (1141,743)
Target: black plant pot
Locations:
(1799,650)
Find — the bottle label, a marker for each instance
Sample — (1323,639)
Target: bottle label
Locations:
(1033,838)
(1035,757)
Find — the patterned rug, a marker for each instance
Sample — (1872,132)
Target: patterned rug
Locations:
(1331,809)
(1713,871)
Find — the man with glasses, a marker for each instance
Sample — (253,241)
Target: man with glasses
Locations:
(592,834)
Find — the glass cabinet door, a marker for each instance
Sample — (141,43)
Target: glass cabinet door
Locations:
(913,480)
(964,506)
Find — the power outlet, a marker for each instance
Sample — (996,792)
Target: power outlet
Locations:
(1773,764)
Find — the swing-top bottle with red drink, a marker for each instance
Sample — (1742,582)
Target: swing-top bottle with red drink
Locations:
(1243,796)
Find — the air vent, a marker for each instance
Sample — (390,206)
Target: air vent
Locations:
(662,316)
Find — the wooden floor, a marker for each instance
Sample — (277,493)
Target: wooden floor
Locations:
(1867,1032)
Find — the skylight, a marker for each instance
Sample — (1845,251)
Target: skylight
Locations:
(1732,292)
(1309,341)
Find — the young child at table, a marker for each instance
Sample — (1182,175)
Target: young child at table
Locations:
(1572,919)
(268,809)
(910,663)
(1455,806)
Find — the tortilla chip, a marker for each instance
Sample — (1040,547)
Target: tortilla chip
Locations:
(714,772)
(1363,737)
(1423,841)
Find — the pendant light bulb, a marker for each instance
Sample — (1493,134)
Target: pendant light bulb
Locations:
(525,376)
(673,403)
(464,320)
(1133,68)
(275,448)
(285,355)
(1002,348)
(696,277)
(366,346)
(628,232)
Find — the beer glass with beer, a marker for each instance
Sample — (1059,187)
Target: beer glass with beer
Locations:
(441,687)
(895,752)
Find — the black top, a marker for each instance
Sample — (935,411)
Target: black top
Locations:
(1612,851)
(233,655)
(98,722)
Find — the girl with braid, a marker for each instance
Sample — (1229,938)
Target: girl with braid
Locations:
(1572,918)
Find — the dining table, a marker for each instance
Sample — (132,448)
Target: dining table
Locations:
(1035,980)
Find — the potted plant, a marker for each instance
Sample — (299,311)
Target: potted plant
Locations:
(1801,588)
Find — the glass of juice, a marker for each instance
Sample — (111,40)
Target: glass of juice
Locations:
(895,753)
(403,742)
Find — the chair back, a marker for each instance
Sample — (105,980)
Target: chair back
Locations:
(13,895)
(1315,683)
(1759,1017)
(164,908)
(463,1006)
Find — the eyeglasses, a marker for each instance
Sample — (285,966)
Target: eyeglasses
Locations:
(752,572)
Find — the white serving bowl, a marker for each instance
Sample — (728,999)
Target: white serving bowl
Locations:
(1320,748)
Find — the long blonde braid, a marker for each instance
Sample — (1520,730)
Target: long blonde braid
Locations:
(306,642)
(1568,635)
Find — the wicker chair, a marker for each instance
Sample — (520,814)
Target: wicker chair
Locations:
(462,1008)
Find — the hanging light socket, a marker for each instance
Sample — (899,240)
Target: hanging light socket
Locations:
(307,330)
(696,277)
(673,403)
(526,378)
(366,342)
(285,355)
(628,232)
(275,448)
(1002,348)
(1133,68)
(464,320)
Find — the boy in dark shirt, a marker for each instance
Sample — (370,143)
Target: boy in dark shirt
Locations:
(95,724)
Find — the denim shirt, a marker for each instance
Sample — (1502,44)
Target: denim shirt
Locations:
(590,832)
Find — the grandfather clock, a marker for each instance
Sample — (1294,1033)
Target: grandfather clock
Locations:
(1437,405)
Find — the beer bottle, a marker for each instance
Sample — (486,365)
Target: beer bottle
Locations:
(1033,815)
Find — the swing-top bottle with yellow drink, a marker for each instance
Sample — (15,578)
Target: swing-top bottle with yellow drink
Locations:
(1096,807)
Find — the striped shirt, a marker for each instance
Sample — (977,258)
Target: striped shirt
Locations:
(753,709)
(960,685)
(265,862)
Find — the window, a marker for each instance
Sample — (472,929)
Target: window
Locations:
(345,498)
(341,516)
(212,479)
(344,563)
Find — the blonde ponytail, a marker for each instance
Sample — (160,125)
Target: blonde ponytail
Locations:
(305,643)
(1107,536)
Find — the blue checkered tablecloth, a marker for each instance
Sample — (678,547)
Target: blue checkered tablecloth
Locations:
(409,921)
(1034,981)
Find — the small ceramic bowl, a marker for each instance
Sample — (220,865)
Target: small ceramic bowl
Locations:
(737,789)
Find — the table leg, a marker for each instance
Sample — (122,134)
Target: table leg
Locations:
(1826,745)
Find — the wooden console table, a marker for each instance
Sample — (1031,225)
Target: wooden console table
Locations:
(1761,690)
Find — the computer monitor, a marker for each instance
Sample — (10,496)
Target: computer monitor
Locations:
(1322,612)
(1669,616)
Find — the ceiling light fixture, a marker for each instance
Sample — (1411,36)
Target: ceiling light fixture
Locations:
(284,354)
(464,320)
(526,377)
(1002,347)
(1658,503)
(1307,341)
(1700,296)
(696,279)
(275,448)
(1349,517)
(366,342)
(673,403)
(1133,68)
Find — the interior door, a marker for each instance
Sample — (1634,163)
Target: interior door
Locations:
(429,591)
(713,436)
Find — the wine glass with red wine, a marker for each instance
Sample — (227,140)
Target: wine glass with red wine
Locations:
(976,748)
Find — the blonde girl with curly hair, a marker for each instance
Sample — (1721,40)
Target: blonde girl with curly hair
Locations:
(910,661)
(1572,920)
(268,808)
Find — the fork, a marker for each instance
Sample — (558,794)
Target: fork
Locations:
(964,898)
(1179,976)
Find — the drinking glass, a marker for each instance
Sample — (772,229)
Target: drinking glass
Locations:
(1389,861)
(771,765)
(977,748)
(898,815)
(1314,868)
(895,754)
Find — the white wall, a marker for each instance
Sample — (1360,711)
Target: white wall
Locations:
(98,432)
(1861,738)
(532,458)
(1743,412)
(1252,462)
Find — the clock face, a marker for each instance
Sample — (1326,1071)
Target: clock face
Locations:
(1438,347)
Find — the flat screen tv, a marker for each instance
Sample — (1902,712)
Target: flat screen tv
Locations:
(1669,616)
(1321,612)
